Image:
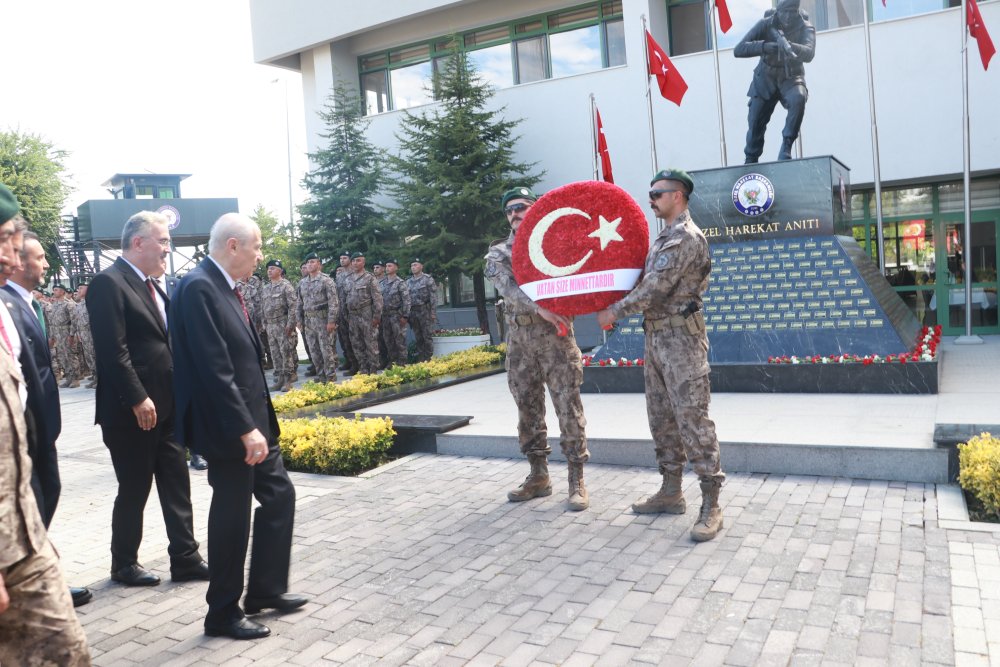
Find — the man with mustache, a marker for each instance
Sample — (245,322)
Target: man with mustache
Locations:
(135,402)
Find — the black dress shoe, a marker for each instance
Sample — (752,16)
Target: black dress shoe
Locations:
(283,602)
(81,596)
(241,628)
(135,575)
(195,572)
(198,462)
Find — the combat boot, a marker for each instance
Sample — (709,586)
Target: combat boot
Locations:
(279,382)
(294,377)
(66,382)
(710,519)
(536,484)
(92,383)
(74,384)
(287,386)
(320,378)
(311,371)
(786,149)
(668,499)
(579,499)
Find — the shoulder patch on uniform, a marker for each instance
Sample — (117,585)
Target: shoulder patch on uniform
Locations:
(662,261)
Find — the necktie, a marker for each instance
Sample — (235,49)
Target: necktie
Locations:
(243,304)
(152,290)
(41,317)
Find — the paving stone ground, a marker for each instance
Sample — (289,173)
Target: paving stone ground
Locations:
(425,563)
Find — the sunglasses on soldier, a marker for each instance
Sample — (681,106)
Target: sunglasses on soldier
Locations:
(656,194)
(515,208)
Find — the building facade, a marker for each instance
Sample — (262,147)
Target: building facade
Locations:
(546,57)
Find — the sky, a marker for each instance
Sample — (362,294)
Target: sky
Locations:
(163,87)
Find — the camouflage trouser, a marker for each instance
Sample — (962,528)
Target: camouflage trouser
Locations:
(321,347)
(283,353)
(422,326)
(537,357)
(265,344)
(393,336)
(87,348)
(67,358)
(40,626)
(677,397)
(344,334)
(363,340)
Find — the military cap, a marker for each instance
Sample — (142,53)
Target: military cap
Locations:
(274,262)
(311,255)
(8,204)
(346,253)
(417,260)
(59,286)
(378,264)
(392,261)
(678,175)
(517,193)
(356,255)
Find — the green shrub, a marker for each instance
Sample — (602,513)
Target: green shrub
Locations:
(979,470)
(335,445)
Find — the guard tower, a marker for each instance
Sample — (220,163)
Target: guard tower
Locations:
(92,238)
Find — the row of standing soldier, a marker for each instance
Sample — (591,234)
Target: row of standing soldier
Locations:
(368,312)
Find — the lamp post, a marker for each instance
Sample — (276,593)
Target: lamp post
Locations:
(288,148)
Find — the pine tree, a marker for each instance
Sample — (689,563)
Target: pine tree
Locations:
(455,164)
(276,242)
(339,214)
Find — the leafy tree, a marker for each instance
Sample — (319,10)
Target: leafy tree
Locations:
(33,169)
(277,243)
(339,214)
(455,163)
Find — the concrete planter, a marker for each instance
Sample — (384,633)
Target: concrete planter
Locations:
(448,344)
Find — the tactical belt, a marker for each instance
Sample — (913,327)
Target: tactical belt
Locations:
(314,311)
(672,321)
(279,318)
(525,320)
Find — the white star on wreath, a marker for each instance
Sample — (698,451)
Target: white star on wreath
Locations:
(607,231)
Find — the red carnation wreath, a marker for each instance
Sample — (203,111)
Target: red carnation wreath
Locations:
(581,247)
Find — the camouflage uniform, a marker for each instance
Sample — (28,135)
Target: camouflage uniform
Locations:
(279,311)
(363,303)
(40,626)
(80,328)
(344,328)
(395,305)
(319,306)
(60,324)
(47,313)
(251,291)
(676,367)
(536,357)
(423,313)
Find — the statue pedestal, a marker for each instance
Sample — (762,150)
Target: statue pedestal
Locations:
(787,279)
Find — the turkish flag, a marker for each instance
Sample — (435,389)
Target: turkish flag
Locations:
(725,21)
(977,29)
(602,151)
(580,247)
(672,84)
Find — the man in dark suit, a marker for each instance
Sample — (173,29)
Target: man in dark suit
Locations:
(135,403)
(43,416)
(224,413)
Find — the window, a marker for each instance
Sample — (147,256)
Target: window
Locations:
(574,41)
(165,192)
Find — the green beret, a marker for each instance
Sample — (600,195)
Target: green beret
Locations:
(8,204)
(678,175)
(378,264)
(392,261)
(311,255)
(346,253)
(416,260)
(357,255)
(59,286)
(517,193)
(274,262)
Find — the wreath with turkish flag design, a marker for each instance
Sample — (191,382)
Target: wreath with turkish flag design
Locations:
(581,247)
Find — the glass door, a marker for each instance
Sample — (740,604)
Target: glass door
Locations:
(947,303)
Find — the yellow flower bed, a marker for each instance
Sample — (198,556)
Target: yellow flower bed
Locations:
(335,445)
(314,393)
(979,470)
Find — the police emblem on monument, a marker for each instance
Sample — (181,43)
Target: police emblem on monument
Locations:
(172,214)
(753,195)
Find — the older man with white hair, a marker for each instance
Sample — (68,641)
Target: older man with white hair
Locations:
(224,413)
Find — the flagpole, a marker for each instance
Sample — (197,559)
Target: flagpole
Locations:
(968,338)
(718,87)
(649,102)
(876,168)
(593,135)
